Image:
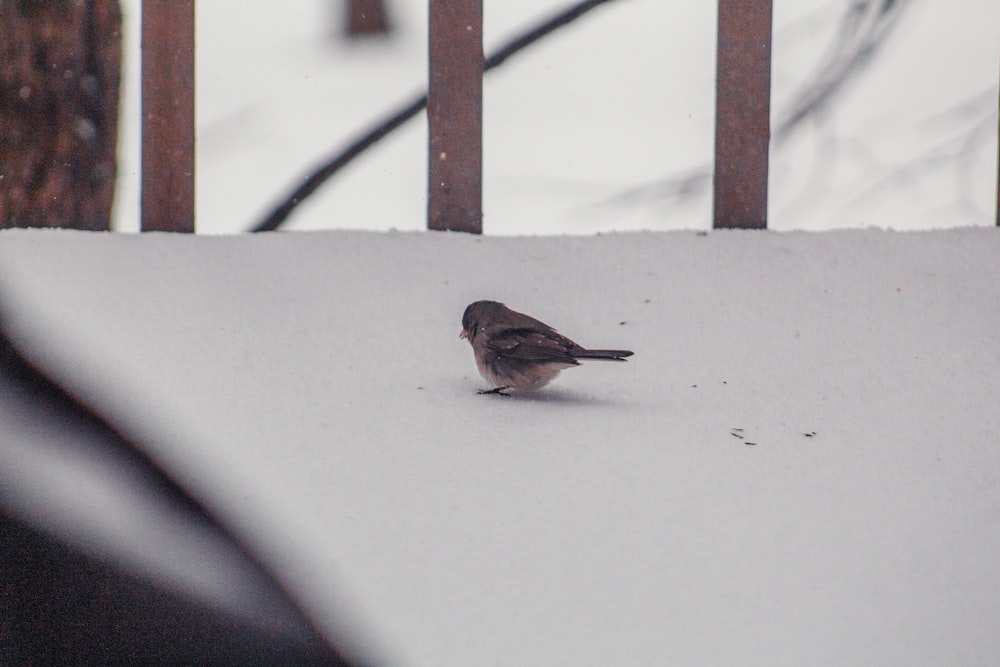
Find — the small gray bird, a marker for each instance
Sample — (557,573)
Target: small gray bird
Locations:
(515,351)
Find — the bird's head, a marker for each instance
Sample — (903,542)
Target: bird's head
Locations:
(475,314)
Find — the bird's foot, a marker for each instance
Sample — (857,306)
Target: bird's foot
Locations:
(499,391)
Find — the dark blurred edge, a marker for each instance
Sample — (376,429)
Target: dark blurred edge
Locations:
(62,605)
(59,606)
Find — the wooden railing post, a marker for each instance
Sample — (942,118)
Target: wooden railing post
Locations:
(455,116)
(168,115)
(367,17)
(742,114)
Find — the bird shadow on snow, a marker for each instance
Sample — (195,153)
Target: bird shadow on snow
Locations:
(552,395)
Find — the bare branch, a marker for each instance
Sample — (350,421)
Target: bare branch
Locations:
(342,158)
(862,34)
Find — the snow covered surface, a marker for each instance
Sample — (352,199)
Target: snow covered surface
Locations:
(616,103)
(798,466)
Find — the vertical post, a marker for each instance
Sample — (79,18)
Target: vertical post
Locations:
(455,116)
(366,17)
(998,163)
(168,115)
(742,114)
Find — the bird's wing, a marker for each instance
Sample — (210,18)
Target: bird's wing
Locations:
(530,344)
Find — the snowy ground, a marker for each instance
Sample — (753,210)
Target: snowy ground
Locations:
(621,100)
(798,466)
(312,389)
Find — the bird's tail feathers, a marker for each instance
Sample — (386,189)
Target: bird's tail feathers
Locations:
(614,355)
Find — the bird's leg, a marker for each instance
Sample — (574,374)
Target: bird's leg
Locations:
(496,390)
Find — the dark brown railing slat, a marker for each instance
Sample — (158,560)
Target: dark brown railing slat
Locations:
(742,115)
(168,115)
(455,116)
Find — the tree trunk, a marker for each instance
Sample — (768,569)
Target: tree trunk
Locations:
(60,69)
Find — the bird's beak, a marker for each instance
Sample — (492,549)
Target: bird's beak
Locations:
(464,334)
